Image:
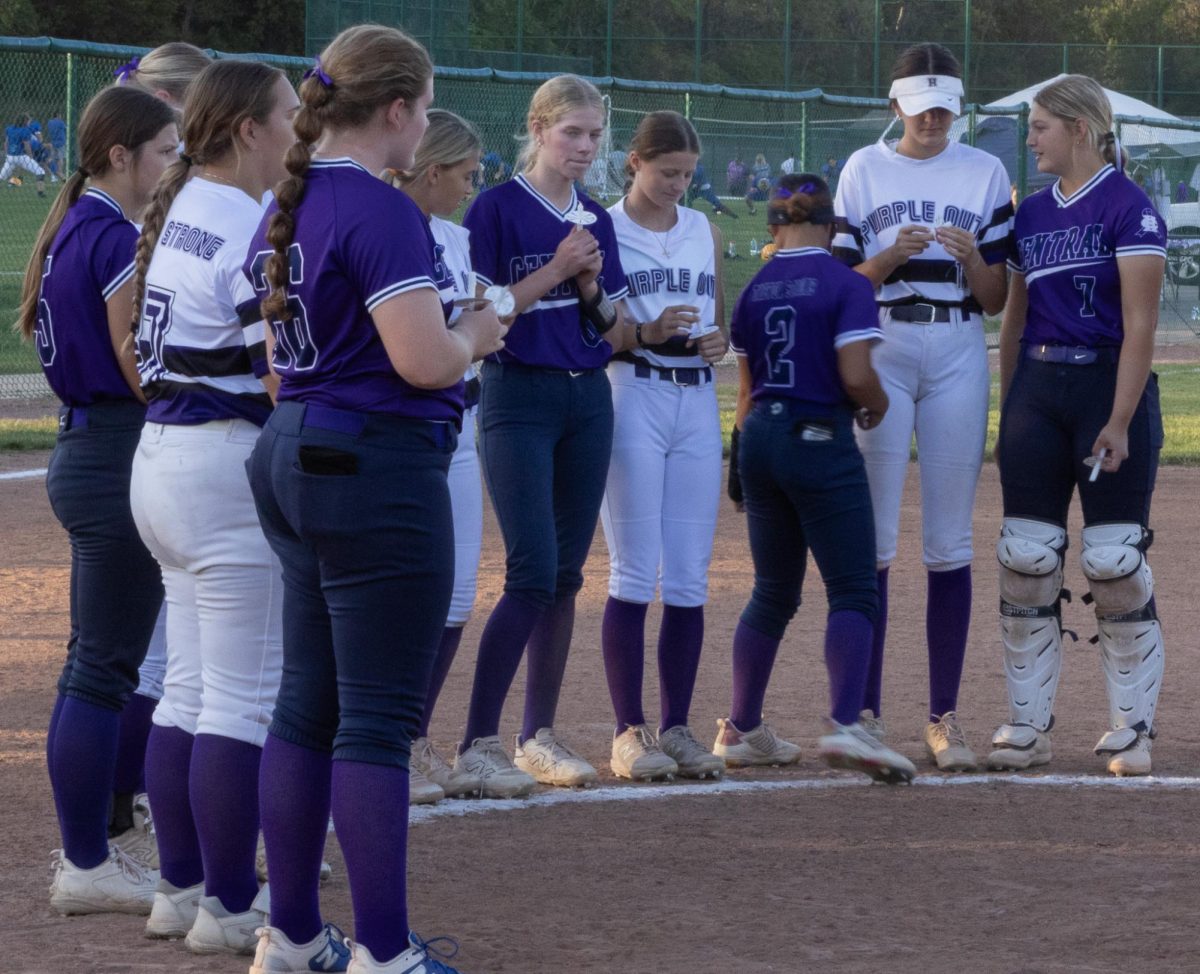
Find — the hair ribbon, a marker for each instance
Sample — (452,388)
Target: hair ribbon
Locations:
(316,71)
(123,73)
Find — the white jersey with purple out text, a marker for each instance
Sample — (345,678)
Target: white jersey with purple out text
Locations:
(665,269)
(1068,246)
(880,191)
(453,263)
(792,318)
(515,231)
(358,243)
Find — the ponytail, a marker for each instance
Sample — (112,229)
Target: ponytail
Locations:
(31,286)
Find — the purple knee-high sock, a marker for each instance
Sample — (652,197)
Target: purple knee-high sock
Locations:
(753,659)
(293,795)
(374,841)
(84,756)
(500,648)
(50,732)
(130,775)
(623,638)
(549,644)
(947,620)
(223,783)
(168,761)
(847,658)
(679,641)
(447,648)
(872,700)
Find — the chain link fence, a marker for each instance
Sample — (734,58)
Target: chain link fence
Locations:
(47,78)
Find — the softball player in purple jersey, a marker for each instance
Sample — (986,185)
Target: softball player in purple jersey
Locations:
(802,330)
(442,176)
(927,221)
(1075,353)
(349,477)
(545,423)
(664,480)
(202,359)
(76,304)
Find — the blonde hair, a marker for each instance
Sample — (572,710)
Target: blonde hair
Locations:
(169,67)
(1078,97)
(224,95)
(555,98)
(366,67)
(127,117)
(449,140)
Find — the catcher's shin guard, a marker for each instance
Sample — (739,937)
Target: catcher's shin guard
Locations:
(1130,637)
(1031,576)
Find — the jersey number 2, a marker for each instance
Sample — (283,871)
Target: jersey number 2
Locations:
(781,338)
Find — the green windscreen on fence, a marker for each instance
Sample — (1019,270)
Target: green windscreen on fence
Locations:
(46,78)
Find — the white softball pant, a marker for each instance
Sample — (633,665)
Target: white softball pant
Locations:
(466,503)
(224,591)
(664,483)
(936,378)
(23,162)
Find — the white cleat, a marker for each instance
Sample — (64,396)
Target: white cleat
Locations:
(276,954)
(760,746)
(422,791)
(1019,747)
(849,746)
(120,884)
(498,777)
(1134,761)
(549,761)
(453,782)
(217,931)
(946,744)
(637,756)
(692,757)
(873,725)
(174,911)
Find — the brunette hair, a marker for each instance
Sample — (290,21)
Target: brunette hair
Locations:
(800,198)
(127,117)
(925,59)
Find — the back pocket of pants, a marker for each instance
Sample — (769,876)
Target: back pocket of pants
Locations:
(327,461)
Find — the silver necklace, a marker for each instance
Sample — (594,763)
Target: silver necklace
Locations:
(662,241)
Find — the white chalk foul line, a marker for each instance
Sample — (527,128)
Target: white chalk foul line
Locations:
(23,474)
(633,793)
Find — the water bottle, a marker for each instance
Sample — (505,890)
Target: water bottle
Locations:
(753,247)
(731,251)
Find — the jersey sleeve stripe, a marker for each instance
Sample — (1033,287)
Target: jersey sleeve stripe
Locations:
(1142,250)
(863,335)
(115,284)
(400,287)
(995,251)
(1001,215)
(618,295)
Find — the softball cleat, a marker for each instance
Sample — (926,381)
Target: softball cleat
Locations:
(757,747)
(549,761)
(637,756)
(455,783)
(120,884)
(946,744)
(693,758)
(849,746)
(1134,760)
(498,777)
(1019,747)
(174,911)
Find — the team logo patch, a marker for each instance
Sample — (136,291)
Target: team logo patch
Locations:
(1149,224)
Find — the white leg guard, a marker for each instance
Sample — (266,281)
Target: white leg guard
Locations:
(1130,637)
(1031,577)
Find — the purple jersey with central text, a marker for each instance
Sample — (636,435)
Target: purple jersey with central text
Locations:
(358,243)
(514,231)
(792,318)
(1067,248)
(90,259)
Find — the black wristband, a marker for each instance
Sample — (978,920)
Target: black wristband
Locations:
(637,334)
(599,311)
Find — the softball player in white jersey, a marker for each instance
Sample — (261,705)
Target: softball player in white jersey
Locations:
(202,360)
(443,174)
(660,507)
(927,220)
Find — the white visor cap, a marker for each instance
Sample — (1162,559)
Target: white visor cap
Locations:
(922,92)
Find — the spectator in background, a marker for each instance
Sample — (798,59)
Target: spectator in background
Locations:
(702,187)
(757,193)
(760,170)
(788,166)
(56,135)
(830,172)
(1181,192)
(735,176)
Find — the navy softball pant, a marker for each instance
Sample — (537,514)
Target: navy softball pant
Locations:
(805,488)
(357,509)
(545,442)
(1050,419)
(116,586)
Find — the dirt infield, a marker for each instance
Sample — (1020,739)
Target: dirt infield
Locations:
(798,871)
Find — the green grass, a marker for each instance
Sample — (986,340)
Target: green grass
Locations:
(28,434)
(1178,383)
(22,213)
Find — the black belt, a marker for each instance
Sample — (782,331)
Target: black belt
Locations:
(110,414)
(1072,354)
(682,376)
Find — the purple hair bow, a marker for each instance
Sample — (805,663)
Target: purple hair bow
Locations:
(316,71)
(125,70)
